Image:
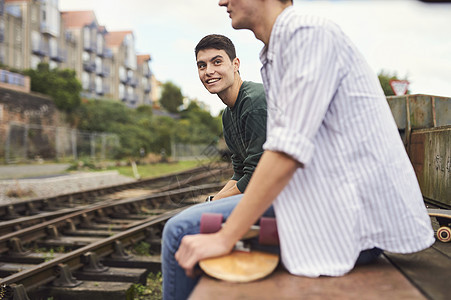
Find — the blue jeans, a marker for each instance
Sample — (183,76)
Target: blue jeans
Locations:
(176,285)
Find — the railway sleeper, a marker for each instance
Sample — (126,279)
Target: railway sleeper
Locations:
(8,269)
(87,290)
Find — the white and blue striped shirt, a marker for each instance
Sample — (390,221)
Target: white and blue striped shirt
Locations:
(357,189)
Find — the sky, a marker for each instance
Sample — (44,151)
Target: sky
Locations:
(409,38)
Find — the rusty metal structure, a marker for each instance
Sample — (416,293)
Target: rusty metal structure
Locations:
(424,123)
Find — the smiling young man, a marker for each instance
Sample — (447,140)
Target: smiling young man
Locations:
(244,118)
(332,153)
(244,128)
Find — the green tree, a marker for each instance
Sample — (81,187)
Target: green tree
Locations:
(201,126)
(171,97)
(61,85)
(384,79)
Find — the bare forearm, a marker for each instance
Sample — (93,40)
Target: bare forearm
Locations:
(273,172)
(230,189)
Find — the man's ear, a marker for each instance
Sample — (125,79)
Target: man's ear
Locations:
(236,64)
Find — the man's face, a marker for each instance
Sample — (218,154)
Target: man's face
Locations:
(240,11)
(216,71)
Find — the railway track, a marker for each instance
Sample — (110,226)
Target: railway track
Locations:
(20,214)
(87,250)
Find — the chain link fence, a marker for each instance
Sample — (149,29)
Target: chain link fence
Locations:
(24,142)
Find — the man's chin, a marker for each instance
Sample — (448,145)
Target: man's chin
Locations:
(213,90)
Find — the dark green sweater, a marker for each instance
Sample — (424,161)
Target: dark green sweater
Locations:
(244,128)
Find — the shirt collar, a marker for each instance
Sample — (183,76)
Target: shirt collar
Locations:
(268,51)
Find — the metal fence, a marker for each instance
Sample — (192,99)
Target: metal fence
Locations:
(24,142)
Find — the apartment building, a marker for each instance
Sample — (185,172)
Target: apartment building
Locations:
(144,90)
(92,58)
(105,62)
(2,31)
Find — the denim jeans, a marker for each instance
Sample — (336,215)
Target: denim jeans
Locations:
(176,285)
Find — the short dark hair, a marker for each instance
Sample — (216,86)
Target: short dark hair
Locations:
(216,41)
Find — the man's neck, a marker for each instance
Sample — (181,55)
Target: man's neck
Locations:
(230,95)
(270,10)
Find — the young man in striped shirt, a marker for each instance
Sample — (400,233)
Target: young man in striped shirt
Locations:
(334,166)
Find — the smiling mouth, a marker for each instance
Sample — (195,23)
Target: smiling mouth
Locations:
(213,80)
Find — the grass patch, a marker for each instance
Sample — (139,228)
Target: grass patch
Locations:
(152,289)
(158,169)
(142,248)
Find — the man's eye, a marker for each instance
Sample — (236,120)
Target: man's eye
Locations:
(201,66)
(217,62)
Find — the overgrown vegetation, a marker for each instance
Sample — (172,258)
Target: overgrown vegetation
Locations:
(138,129)
(152,289)
(61,85)
(142,248)
(19,192)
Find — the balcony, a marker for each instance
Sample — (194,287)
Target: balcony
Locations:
(133,81)
(90,47)
(47,28)
(123,78)
(103,71)
(60,55)
(100,91)
(41,48)
(146,71)
(12,78)
(147,88)
(89,66)
(105,52)
(92,87)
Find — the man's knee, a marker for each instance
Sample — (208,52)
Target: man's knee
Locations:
(179,225)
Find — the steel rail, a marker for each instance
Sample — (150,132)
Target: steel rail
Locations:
(12,225)
(47,271)
(38,231)
(34,204)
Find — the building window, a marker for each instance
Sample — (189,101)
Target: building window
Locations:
(86,57)
(35,60)
(98,65)
(99,85)
(53,48)
(35,40)
(121,91)
(99,43)
(85,80)
(86,38)
(53,65)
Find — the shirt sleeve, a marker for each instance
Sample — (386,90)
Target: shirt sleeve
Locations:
(307,73)
(255,137)
(238,166)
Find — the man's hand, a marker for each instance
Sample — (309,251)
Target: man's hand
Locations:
(194,248)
